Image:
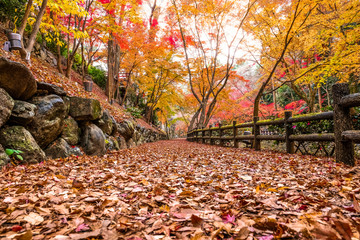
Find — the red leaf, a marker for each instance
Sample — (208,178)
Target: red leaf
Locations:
(16,228)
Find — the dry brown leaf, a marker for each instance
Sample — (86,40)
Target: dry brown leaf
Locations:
(34,218)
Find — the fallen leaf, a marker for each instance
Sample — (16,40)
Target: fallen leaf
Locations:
(196,221)
(34,218)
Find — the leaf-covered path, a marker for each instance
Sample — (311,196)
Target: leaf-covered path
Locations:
(181,190)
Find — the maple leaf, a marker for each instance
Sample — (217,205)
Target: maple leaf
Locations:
(229,219)
(82,228)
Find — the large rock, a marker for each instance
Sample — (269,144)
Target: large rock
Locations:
(140,141)
(4,158)
(67,104)
(16,79)
(23,113)
(43,54)
(85,109)
(71,131)
(51,58)
(93,139)
(18,138)
(126,129)
(115,128)
(122,142)
(49,118)
(51,88)
(130,143)
(76,151)
(106,123)
(136,136)
(58,149)
(6,106)
(111,143)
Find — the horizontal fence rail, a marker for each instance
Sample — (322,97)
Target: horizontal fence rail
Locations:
(344,136)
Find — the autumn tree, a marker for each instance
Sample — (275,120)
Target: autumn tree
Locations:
(211,32)
(161,81)
(336,42)
(150,65)
(119,17)
(65,24)
(315,46)
(133,58)
(276,24)
(91,47)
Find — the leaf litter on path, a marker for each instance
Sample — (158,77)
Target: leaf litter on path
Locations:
(181,190)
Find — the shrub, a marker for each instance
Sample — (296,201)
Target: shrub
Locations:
(77,62)
(135,112)
(52,44)
(98,76)
(12,9)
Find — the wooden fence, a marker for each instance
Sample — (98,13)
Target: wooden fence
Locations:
(344,136)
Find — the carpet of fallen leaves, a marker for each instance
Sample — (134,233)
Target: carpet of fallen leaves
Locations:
(181,190)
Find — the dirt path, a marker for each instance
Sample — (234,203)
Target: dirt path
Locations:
(181,190)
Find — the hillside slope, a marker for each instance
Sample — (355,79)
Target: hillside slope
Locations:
(44,72)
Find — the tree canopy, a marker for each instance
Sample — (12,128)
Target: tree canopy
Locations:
(202,61)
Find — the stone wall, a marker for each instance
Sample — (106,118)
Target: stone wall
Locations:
(43,122)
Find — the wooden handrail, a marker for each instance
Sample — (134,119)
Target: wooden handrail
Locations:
(351,100)
(351,135)
(312,117)
(343,136)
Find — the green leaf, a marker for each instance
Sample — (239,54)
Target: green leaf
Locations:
(18,151)
(9,151)
(20,157)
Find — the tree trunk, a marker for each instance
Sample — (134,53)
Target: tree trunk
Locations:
(149,113)
(25,52)
(25,18)
(82,60)
(116,69)
(59,66)
(327,96)
(274,94)
(111,68)
(126,90)
(194,118)
(202,115)
(319,98)
(259,95)
(70,61)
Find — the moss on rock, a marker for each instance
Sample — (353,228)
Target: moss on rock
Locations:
(18,138)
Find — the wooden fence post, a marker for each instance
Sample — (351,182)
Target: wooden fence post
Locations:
(202,135)
(235,133)
(199,135)
(221,134)
(210,135)
(344,150)
(256,130)
(288,131)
